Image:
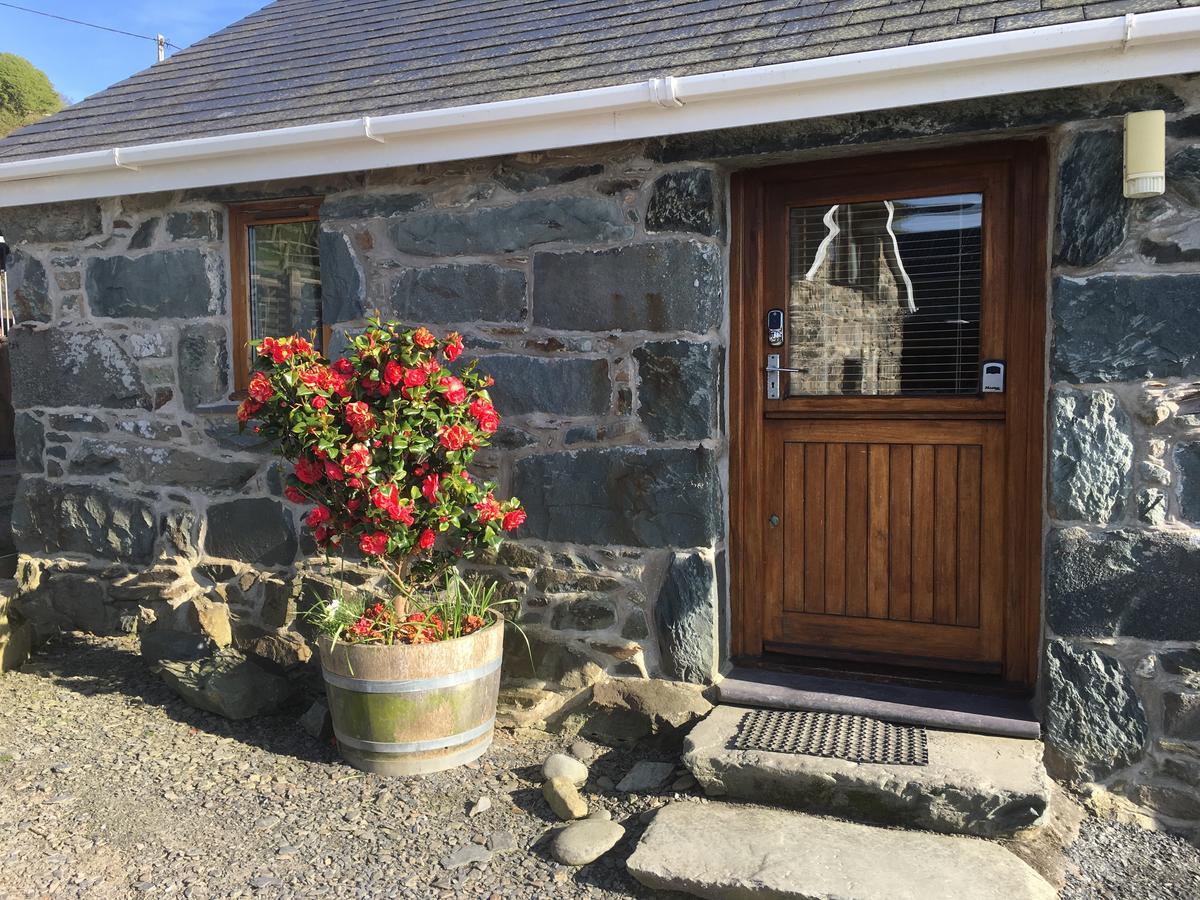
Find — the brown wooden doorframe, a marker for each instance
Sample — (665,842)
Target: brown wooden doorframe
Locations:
(1026,332)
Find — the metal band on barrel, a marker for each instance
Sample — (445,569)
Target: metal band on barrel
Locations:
(462,737)
(364,686)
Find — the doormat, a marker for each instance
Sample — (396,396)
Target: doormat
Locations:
(833,735)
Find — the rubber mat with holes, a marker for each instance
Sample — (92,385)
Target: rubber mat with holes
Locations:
(834,735)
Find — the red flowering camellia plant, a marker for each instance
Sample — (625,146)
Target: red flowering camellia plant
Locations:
(380,441)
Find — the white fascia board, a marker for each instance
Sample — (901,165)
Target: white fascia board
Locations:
(1104,50)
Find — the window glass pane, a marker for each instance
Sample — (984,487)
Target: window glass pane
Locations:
(884,297)
(285,280)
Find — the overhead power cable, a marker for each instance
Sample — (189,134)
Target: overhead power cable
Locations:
(38,12)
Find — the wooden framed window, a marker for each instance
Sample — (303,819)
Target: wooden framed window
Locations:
(275,263)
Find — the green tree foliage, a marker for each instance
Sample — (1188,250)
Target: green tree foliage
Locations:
(26,94)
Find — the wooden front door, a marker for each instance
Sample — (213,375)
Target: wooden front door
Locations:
(888,400)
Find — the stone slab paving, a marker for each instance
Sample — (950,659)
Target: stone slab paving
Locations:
(973,784)
(779,854)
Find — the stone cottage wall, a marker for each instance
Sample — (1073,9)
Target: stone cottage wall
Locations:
(593,284)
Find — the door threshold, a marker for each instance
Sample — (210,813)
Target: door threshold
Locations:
(1004,715)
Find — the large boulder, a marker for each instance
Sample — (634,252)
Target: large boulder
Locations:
(227,684)
(627,711)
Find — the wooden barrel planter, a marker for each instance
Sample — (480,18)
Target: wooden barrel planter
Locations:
(410,709)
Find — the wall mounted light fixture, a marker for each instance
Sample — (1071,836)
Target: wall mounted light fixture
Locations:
(1145,153)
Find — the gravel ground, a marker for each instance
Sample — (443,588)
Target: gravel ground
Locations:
(112,787)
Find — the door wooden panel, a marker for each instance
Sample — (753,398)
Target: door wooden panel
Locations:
(876,516)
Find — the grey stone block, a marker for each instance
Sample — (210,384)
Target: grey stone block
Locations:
(1094,721)
(372,206)
(684,201)
(679,389)
(253,530)
(167,284)
(1126,328)
(1127,583)
(519,180)
(342,295)
(159,465)
(54,223)
(663,286)
(52,517)
(204,225)
(556,385)
(144,236)
(685,616)
(630,497)
(203,351)
(77,367)
(1092,210)
(28,289)
(588,614)
(1091,456)
(1187,461)
(506,229)
(457,294)
(30,437)
(1183,174)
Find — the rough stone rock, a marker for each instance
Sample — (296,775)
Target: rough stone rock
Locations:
(1187,461)
(203,352)
(1180,662)
(253,530)
(586,614)
(212,619)
(757,856)
(54,223)
(143,237)
(684,201)
(167,284)
(466,855)
(1124,583)
(454,294)
(1172,245)
(227,684)
(1183,174)
(1126,328)
(317,721)
(626,496)
(1181,715)
(646,776)
(630,710)
(564,798)
(72,367)
(28,289)
(342,297)
(479,807)
(520,180)
(372,206)
(30,437)
(167,644)
(565,386)
(505,229)
(664,286)
(195,225)
(685,616)
(154,464)
(559,765)
(548,658)
(973,784)
(1091,456)
(1094,721)
(280,650)
(16,637)
(1092,209)
(679,389)
(586,841)
(51,517)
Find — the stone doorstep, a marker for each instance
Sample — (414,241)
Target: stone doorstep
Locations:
(974,784)
(779,854)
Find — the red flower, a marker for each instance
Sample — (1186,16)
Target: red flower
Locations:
(454,346)
(318,516)
(455,437)
(356,460)
(373,544)
(429,487)
(359,418)
(333,471)
(455,391)
(414,377)
(300,345)
(247,409)
(319,402)
(279,350)
(386,498)
(355,483)
(343,367)
(427,539)
(260,388)
(393,372)
(423,338)
(513,520)
(430,366)
(485,415)
(307,470)
(404,513)
(488,509)
(293,494)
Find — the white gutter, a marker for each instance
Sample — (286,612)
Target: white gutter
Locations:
(1103,50)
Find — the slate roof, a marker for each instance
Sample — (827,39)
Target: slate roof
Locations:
(298,62)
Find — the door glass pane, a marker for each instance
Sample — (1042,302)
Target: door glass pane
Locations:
(285,280)
(884,297)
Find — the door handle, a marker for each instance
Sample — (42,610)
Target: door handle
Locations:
(782,369)
(772,370)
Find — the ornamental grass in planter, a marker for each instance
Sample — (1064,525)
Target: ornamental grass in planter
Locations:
(380,441)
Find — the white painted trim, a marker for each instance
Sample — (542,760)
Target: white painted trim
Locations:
(1103,50)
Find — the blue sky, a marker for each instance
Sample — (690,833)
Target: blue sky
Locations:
(81,61)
